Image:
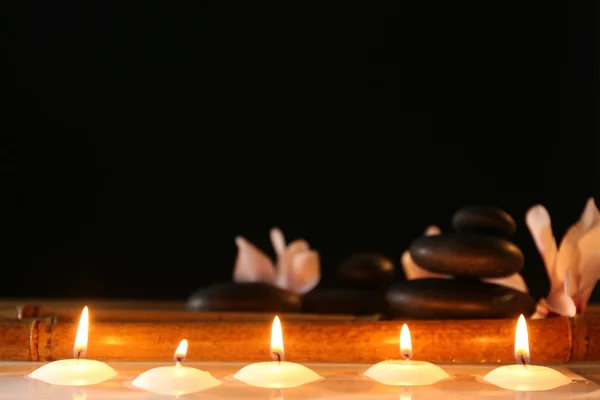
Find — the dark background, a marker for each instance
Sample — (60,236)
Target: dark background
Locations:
(138,140)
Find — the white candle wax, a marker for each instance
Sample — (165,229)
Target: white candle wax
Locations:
(525,377)
(74,372)
(276,374)
(77,371)
(176,380)
(406,372)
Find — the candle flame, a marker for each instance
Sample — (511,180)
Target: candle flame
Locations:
(81,339)
(405,342)
(277,340)
(181,351)
(522,342)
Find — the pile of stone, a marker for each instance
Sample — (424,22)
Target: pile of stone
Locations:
(478,249)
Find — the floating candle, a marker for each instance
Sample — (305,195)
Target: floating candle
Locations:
(522,376)
(77,371)
(406,372)
(278,373)
(176,380)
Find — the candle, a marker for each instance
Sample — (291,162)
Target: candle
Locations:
(176,380)
(277,373)
(77,371)
(406,372)
(522,376)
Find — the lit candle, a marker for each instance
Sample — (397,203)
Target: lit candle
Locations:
(277,373)
(406,372)
(176,380)
(522,376)
(77,371)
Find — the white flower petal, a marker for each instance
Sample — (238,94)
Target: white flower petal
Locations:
(251,264)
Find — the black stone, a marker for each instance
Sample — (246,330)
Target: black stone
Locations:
(367,270)
(488,220)
(468,256)
(456,299)
(344,301)
(254,297)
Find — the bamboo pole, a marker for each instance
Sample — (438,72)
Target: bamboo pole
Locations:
(137,331)
(486,341)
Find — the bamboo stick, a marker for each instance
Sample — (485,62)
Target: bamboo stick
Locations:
(18,340)
(334,341)
(137,331)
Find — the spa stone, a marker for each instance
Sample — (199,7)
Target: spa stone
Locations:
(367,270)
(468,256)
(487,220)
(435,298)
(252,297)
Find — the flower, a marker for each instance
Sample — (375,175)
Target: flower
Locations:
(298,266)
(574,267)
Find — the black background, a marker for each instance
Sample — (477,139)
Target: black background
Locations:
(139,139)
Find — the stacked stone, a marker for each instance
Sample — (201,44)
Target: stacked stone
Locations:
(363,280)
(479,249)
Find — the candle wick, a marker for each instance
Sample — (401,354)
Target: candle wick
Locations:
(78,355)
(179,359)
(406,356)
(276,357)
(522,360)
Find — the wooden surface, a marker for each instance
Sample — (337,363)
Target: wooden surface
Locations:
(553,340)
